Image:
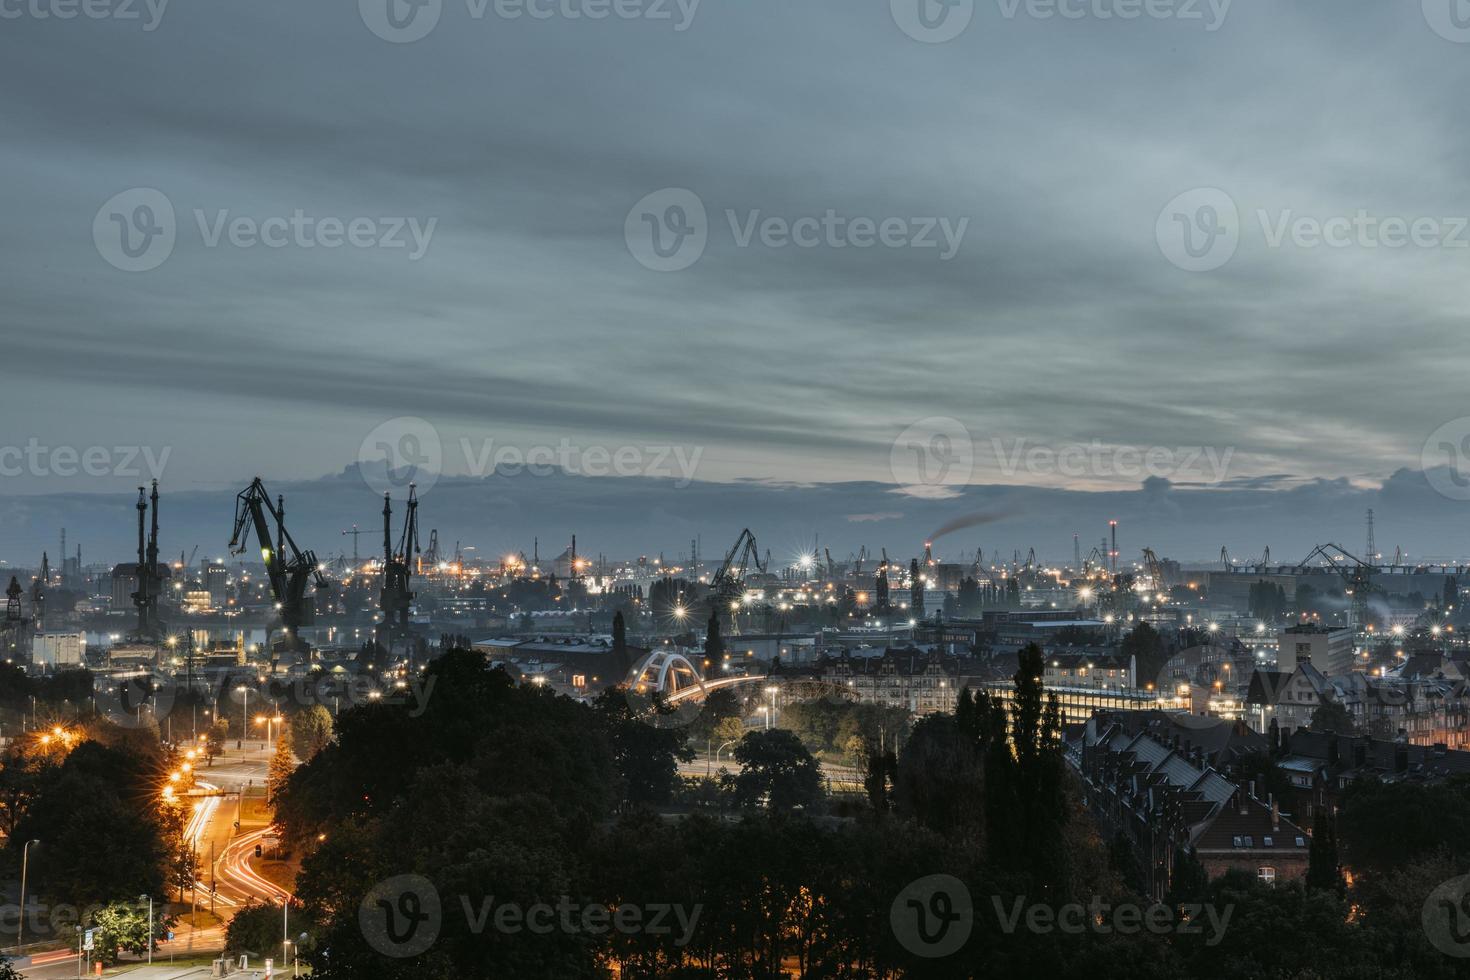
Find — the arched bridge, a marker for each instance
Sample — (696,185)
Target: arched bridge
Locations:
(675,676)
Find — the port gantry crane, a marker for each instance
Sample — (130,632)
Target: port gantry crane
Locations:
(288,568)
(728,583)
(1356,574)
(396,599)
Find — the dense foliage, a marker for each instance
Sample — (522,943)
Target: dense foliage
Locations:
(432,840)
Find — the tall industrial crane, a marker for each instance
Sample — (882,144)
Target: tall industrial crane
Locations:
(288,568)
(729,581)
(1154,568)
(396,598)
(1356,573)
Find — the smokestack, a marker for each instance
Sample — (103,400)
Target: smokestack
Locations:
(1113,549)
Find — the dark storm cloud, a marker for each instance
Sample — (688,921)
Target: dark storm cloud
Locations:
(1057,322)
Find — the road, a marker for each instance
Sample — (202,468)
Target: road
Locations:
(212,822)
(845,777)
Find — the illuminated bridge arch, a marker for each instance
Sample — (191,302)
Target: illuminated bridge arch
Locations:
(668,672)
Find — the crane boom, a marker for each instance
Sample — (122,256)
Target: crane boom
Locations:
(288,568)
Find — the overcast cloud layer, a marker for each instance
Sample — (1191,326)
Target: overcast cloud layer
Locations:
(1062,318)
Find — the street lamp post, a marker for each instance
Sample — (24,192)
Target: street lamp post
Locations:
(20,928)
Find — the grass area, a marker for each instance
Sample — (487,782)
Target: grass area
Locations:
(282,873)
(203,919)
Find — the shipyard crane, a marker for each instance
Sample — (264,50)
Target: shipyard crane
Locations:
(1154,568)
(831,565)
(355,533)
(1356,574)
(1096,560)
(431,553)
(396,597)
(728,583)
(1258,565)
(288,568)
(862,556)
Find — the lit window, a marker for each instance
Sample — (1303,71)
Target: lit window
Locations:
(1266,875)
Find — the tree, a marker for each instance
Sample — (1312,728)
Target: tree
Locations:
(1323,869)
(214,744)
(311,730)
(777,770)
(282,764)
(720,705)
(647,754)
(940,777)
(879,775)
(1331,716)
(256,930)
(1146,646)
(123,926)
(714,644)
(727,730)
(1190,881)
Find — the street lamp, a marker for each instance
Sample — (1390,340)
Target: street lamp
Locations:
(20,928)
(771,713)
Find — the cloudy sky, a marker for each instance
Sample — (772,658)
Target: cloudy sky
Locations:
(926,247)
